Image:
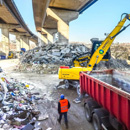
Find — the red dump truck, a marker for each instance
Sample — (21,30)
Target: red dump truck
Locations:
(107,102)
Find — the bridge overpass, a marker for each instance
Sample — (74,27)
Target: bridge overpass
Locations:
(52,17)
(11,22)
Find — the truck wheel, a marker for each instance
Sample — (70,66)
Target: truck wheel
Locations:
(66,84)
(88,114)
(78,89)
(96,122)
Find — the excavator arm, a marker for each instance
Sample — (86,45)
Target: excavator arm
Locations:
(105,45)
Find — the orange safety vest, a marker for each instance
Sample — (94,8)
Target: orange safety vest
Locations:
(64,105)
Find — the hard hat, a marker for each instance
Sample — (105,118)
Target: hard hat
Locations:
(62,96)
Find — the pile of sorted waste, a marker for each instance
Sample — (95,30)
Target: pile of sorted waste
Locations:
(54,54)
(48,58)
(18,110)
(113,64)
(38,68)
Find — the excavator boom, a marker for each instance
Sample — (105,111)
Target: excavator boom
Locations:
(105,45)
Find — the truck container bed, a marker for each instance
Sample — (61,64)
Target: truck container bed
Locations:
(111,90)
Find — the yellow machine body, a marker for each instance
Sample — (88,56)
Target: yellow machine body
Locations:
(71,73)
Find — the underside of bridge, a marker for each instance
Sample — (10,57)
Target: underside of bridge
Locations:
(52,17)
(11,22)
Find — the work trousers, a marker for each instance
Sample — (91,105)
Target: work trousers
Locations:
(65,116)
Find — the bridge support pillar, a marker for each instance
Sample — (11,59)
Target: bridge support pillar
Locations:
(18,42)
(63,17)
(49,33)
(42,39)
(25,42)
(5,46)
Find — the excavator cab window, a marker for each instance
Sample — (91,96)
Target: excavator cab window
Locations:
(95,44)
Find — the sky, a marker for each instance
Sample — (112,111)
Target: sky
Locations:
(98,19)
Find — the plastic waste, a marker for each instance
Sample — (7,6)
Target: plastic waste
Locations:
(49,128)
(12,94)
(27,86)
(28,127)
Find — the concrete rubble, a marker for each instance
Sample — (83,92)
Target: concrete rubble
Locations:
(18,108)
(113,64)
(54,54)
(48,58)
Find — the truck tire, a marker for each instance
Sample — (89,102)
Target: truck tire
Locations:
(96,122)
(66,83)
(78,89)
(88,113)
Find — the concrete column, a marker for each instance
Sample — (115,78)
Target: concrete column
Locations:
(32,44)
(42,39)
(63,18)
(49,33)
(5,41)
(25,42)
(18,42)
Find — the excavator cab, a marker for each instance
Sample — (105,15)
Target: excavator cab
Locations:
(83,59)
(95,44)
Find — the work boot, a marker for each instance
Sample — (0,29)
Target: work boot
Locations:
(59,121)
(66,125)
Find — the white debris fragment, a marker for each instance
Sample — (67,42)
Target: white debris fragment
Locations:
(76,100)
(49,128)
(43,117)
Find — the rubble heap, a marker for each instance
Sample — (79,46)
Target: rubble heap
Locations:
(48,58)
(17,105)
(59,54)
(113,64)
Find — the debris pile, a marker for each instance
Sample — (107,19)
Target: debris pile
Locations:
(113,64)
(120,51)
(61,54)
(48,58)
(38,68)
(18,109)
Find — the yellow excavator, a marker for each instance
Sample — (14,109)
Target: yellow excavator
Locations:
(99,51)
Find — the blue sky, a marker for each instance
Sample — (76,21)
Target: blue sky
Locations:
(100,18)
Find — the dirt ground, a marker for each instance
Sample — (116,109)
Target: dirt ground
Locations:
(46,86)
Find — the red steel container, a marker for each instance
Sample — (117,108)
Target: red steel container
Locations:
(115,100)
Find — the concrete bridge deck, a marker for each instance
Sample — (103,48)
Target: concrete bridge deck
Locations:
(11,22)
(52,17)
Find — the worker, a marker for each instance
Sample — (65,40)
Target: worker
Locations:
(63,106)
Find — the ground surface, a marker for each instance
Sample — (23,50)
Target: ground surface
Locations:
(45,84)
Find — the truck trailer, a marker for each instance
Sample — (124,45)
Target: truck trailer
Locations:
(107,102)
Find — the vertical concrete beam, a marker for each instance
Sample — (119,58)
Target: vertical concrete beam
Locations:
(49,33)
(25,42)
(42,39)
(32,44)
(63,17)
(5,41)
(18,42)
